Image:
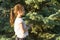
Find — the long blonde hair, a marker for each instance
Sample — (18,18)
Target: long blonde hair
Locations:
(13,12)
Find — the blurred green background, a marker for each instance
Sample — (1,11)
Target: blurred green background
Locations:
(44,15)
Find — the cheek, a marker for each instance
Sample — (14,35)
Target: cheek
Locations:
(23,12)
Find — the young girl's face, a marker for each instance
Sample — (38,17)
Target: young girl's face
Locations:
(21,13)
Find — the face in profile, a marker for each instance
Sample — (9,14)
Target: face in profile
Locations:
(21,13)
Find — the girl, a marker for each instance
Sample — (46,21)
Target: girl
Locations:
(20,28)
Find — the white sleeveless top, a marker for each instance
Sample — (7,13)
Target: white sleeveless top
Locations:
(17,29)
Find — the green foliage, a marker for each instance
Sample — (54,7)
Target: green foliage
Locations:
(46,18)
(58,38)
